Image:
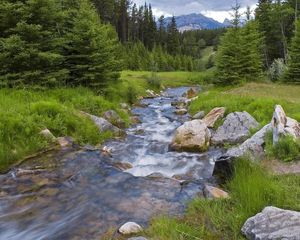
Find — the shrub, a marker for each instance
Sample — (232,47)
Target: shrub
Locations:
(277,70)
(154,80)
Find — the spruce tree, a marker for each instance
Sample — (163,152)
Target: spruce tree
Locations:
(173,38)
(293,73)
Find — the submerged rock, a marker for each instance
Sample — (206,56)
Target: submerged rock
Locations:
(273,223)
(213,116)
(235,129)
(114,118)
(130,228)
(193,136)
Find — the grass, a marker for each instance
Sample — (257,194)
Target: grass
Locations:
(258,99)
(24,113)
(251,189)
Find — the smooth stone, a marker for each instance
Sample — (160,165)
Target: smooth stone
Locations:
(273,223)
(214,193)
(213,116)
(235,129)
(130,228)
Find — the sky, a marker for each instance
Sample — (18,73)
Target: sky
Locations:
(217,9)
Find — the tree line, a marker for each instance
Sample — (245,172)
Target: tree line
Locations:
(268,44)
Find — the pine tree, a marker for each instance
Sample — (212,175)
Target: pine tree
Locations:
(173,38)
(92,50)
(293,73)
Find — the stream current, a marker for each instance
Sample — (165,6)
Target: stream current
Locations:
(81,194)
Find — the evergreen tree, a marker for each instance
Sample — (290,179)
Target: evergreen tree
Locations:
(92,49)
(293,73)
(173,38)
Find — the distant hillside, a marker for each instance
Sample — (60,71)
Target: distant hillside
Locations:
(195,22)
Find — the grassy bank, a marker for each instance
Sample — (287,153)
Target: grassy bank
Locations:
(251,189)
(24,113)
(258,99)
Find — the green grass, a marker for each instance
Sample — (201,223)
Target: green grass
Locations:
(258,99)
(24,113)
(251,189)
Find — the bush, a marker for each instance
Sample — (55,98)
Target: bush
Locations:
(154,81)
(287,149)
(277,70)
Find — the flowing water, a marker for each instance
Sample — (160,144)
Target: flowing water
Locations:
(81,194)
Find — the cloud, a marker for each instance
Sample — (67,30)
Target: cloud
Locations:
(217,9)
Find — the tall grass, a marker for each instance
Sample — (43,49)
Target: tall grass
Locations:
(24,113)
(251,189)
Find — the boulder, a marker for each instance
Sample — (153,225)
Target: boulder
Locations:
(192,136)
(213,116)
(292,128)
(104,125)
(273,223)
(114,118)
(253,146)
(278,123)
(199,115)
(130,228)
(235,129)
(214,193)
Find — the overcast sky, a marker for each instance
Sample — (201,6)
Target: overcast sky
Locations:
(217,9)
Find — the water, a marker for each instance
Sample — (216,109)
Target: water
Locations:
(81,195)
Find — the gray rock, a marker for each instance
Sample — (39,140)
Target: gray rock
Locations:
(235,129)
(252,146)
(199,115)
(278,123)
(213,116)
(181,111)
(137,238)
(46,133)
(130,228)
(211,192)
(114,118)
(292,127)
(272,224)
(104,125)
(192,136)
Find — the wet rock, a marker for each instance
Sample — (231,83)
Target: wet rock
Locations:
(181,111)
(179,104)
(65,142)
(213,116)
(123,166)
(191,93)
(214,193)
(130,228)
(46,133)
(156,175)
(137,238)
(106,151)
(235,129)
(135,120)
(273,223)
(199,115)
(114,118)
(151,94)
(192,136)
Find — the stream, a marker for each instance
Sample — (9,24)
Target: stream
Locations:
(81,194)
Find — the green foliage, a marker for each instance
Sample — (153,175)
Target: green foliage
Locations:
(251,189)
(47,44)
(277,70)
(293,73)
(287,149)
(23,114)
(154,81)
(239,55)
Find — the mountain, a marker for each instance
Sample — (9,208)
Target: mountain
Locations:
(195,22)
